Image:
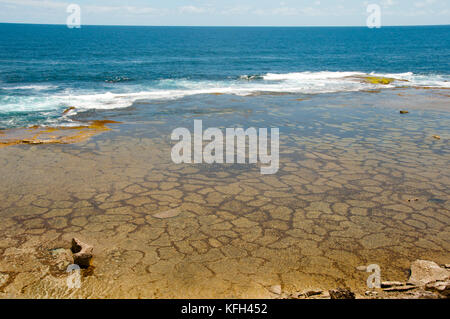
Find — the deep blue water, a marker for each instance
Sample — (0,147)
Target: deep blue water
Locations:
(44,69)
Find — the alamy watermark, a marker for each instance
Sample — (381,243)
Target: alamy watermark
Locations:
(374,279)
(213,152)
(74,19)
(374,18)
(74,278)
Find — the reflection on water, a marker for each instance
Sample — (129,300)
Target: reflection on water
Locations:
(358,184)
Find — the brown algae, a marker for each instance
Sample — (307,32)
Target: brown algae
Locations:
(53,135)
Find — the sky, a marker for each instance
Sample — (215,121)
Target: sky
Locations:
(227,12)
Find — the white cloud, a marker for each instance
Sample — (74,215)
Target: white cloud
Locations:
(238,10)
(35,3)
(424,3)
(387,3)
(194,10)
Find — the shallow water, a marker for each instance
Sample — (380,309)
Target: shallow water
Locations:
(358,184)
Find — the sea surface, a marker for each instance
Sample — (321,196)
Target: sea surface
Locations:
(45,69)
(359,183)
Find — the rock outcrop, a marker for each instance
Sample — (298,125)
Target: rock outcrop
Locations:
(82,253)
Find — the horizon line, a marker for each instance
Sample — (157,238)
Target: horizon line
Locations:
(231,26)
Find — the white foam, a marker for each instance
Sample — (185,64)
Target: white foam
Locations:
(298,82)
(36,87)
(309,76)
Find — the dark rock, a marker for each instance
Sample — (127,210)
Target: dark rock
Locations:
(342,293)
(389,284)
(400,288)
(442,287)
(82,253)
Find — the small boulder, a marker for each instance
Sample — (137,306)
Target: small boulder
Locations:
(404,112)
(424,272)
(82,253)
(275,289)
(371,293)
(442,287)
(342,293)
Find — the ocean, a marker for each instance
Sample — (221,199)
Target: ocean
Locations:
(362,166)
(45,69)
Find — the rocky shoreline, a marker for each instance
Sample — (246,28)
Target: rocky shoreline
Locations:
(427,280)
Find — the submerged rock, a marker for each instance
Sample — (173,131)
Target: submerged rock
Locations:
(61,258)
(168,213)
(82,253)
(342,293)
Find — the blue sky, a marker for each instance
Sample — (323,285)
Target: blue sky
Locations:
(227,12)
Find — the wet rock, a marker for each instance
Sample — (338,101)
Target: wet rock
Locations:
(342,293)
(404,112)
(306,294)
(424,272)
(389,284)
(442,287)
(371,293)
(82,253)
(420,294)
(275,289)
(400,288)
(437,137)
(311,293)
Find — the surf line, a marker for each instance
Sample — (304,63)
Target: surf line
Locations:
(213,152)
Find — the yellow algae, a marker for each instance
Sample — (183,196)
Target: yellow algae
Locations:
(378,80)
(61,135)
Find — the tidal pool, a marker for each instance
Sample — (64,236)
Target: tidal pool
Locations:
(359,183)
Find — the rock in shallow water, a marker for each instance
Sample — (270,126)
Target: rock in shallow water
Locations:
(442,287)
(342,293)
(82,253)
(276,289)
(424,272)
